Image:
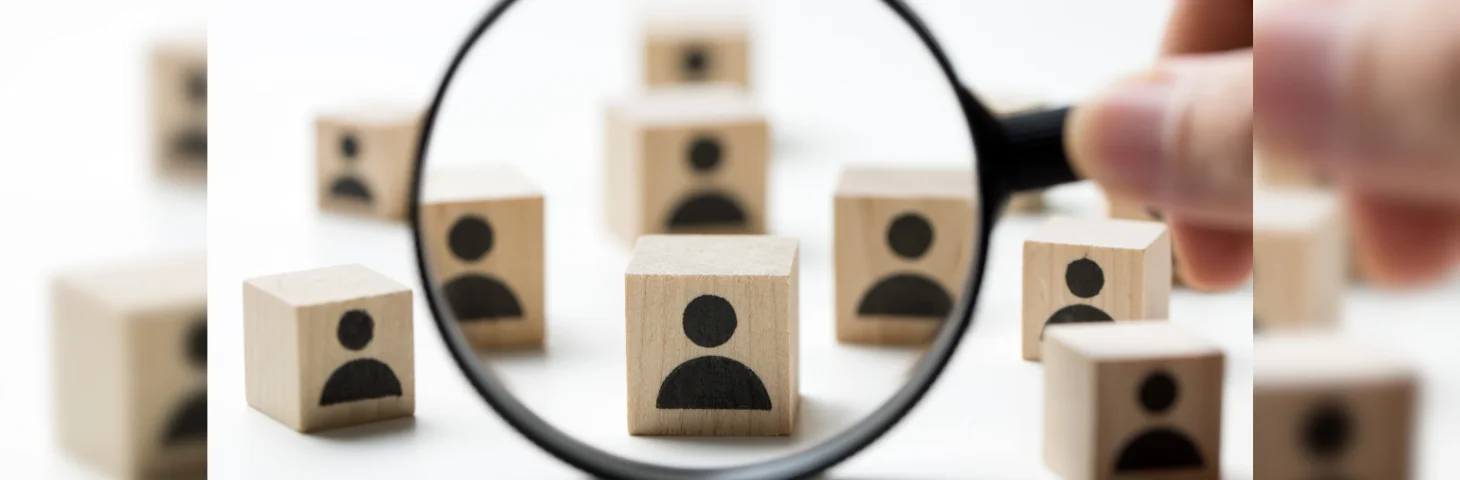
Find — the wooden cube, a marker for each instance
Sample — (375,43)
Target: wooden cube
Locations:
(1094,270)
(1132,400)
(365,156)
(1299,257)
(686,160)
(696,49)
(1127,210)
(327,348)
(904,242)
(179,97)
(130,366)
(484,231)
(712,335)
(1326,407)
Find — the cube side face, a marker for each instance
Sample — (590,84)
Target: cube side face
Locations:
(895,281)
(679,60)
(1358,431)
(1079,283)
(357,363)
(1126,210)
(623,175)
(704,179)
(272,356)
(1069,412)
(170,403)
(1159,417)
(724,381)
(180,109)
(1299,279)
(364,168)
(90,386)
(487,256)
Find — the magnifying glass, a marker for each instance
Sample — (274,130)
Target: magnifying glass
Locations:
(1010,154)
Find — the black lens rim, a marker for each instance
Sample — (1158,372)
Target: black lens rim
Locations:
(596,462)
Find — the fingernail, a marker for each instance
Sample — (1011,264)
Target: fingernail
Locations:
(1130,141)
(1294,74)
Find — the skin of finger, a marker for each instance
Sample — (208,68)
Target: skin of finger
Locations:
(1212,259)
(1402,244)
(1204,26)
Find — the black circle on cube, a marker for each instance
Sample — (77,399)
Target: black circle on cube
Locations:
(471,238)
(709,321)
(1327,430)
(349,146)
(1158,392)
(705,153)
(909,235)
(197,85)
(695,62)
(356,329)
(197,342)
(1085,278)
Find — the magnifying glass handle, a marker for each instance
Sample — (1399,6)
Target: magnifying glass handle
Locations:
(1035,149)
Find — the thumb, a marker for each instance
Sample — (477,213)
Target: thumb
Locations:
(1177,137)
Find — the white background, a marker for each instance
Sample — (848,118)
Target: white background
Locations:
(71,128)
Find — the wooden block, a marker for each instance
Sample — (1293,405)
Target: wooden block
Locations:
(1132,400)
(179,70)
(1094,270)
(687,160)
(1128,210)
(328,348)
(1326,407)
(129,343)
(696,49)
(904,242)
(364,159)
(484,231)
(1299,257)
(712,335)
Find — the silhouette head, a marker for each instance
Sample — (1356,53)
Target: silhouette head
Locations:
(695,62)
(356,330)
(471,238)
(1085,278)
(705,153)
(910,235)
(709,321)
(1327,430)
(197,88)
(197,343)
(1158,392)
(349,147)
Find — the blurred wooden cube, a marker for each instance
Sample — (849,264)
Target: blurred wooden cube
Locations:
(696,49)
(365,156)
(131,377)
(1299,258)
(1128,210)
(179,98)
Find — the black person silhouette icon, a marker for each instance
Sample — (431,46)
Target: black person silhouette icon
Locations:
(473,296)
(1085,279)
(910,235)
(1160,448)
(695,62)
(711,382)
(189,422)
(191,142)
(706,208)
(347,186)
(363,378)
(1326,434)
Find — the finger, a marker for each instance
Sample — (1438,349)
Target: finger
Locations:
(1200,26)
(1212,259)
(1177,137)
(1401,243)
(1365,91)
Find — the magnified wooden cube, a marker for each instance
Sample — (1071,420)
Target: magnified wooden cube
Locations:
(712,335)
(328,348)
(130,373)
(364,155)
(696,49)
(179,97)
(1300,259)
(1079,270)
(1327,407)
(484,231)
(904,242)
(687,160)
(1132,400)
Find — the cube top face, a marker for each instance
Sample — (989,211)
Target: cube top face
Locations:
(952,183)
(1131,341)
(1293,211)
(1100,233)
(691,106)
(713,255)
(711,345)
(474,183)
(327,285)
(147,285)
(1329,405)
